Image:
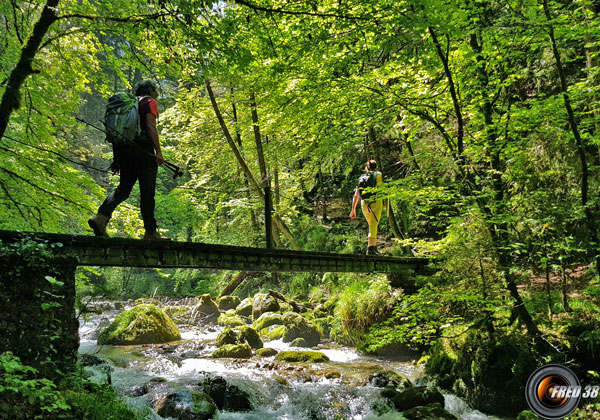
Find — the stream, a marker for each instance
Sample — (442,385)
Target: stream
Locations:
(334,390)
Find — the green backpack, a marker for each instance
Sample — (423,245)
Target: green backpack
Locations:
(367,180)
(122,118)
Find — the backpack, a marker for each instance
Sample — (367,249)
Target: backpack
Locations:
(367,180)
(122,118)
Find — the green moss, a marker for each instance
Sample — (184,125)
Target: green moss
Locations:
(490,373)
(428,412)
(266,320)
(274,332)
(142,324)
(266,352)
(297,326)
(245,307)
(234,350)
(229,320)
(302,356)
(228,302)
(249,335)
(227,336)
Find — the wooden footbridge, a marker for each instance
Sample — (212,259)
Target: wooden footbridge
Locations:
(124,252)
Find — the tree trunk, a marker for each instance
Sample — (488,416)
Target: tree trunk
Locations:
(238,138)
(11,99)
(454,96)
(498,230)
(253,184)
(564,289)
(235,282)
(591,222)
(548,288)
(266,182)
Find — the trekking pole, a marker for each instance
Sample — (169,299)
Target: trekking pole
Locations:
(177,172)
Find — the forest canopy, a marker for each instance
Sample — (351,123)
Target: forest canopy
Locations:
(483,116)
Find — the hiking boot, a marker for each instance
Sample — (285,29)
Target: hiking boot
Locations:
(98,224)
(372,250)
(153,235)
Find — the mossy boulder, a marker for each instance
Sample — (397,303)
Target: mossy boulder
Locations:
(227,336)
(228,302)
(186,405)
(301,356)
(264,303)
(206,308)
(324,325)
(245,307)
(297,326)
(226,396)
(240,351)
(274,332)
(429,412)
(250,336)
(266,352)
(298,342)
(142,324)
(489,373)
(412,397)
(228,319)
(388,378)
(266,320)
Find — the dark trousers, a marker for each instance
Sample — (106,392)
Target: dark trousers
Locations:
(146,175)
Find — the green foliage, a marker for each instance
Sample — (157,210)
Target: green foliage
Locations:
(490,370)
(312,236)
(366,301)
(415,322)
(23,395)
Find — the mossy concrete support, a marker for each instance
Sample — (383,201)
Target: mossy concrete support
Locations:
(37,315)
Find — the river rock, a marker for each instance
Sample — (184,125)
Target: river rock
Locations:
(297,326)
(266,320)
(206,308)
(274,332)
(240,351)
(226,396)
(266,352)
(412,397)
(429,412)
(186,405)
(388,378)
(245,307)
(227,336)
(250,336)
(301,356)
(142,324)
(299,342)
(228,319)
(264,303)
(88,359)
(228,302)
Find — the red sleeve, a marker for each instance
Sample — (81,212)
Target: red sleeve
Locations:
(153,107)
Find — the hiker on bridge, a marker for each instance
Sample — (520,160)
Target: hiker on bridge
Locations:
(137,161)
(371,207)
